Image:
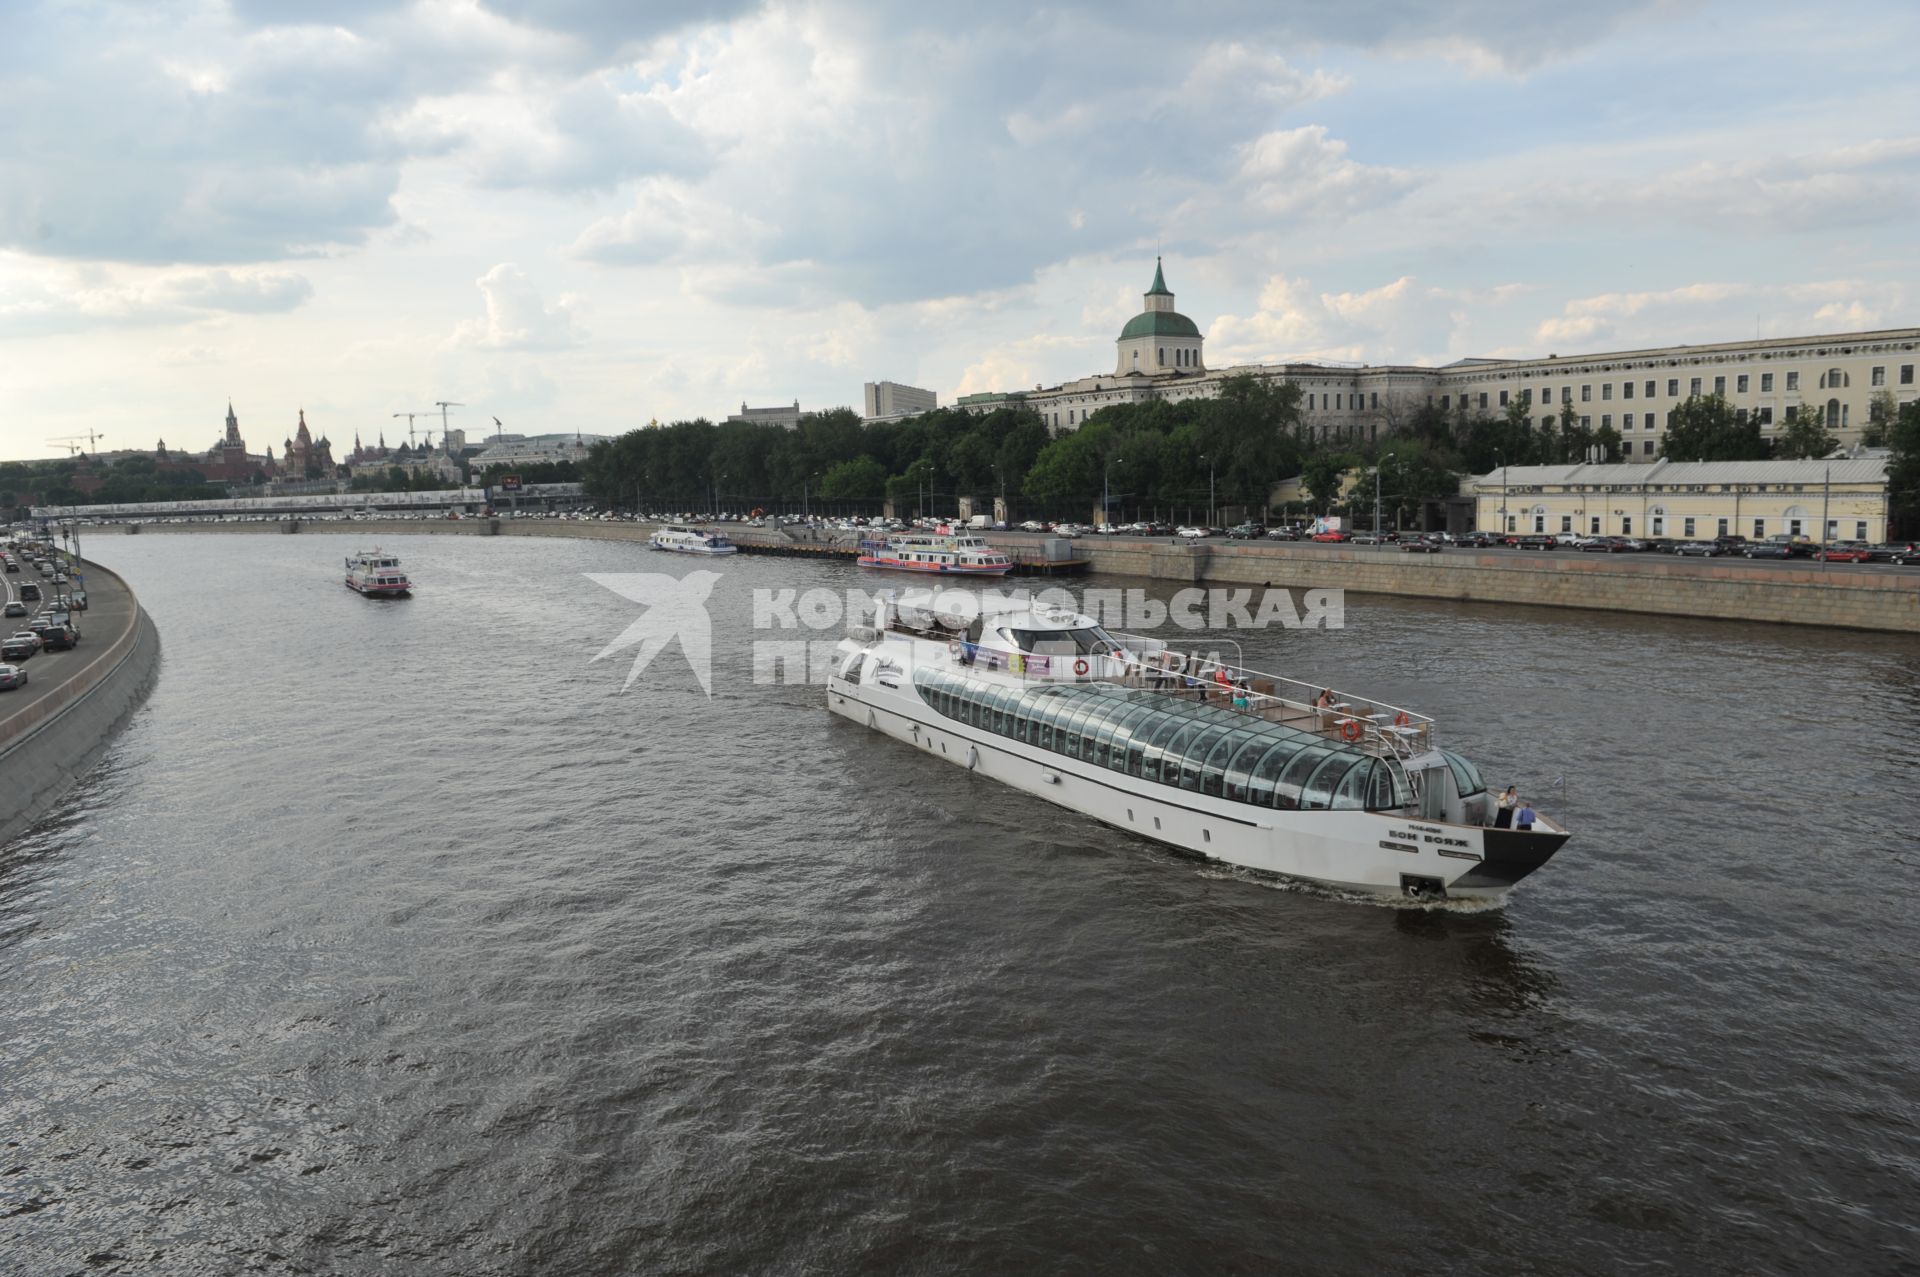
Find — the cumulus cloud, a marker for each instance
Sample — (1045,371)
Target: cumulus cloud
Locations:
(516,317)
(1304,170)
(1674,315)
(1398,321)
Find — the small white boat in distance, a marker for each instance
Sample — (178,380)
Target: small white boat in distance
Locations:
(945,553)
(377,575)
(681,540)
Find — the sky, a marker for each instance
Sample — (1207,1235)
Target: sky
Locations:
(592,214)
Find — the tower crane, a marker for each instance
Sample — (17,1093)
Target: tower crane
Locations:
(410,416)
(92,437)
(443,405)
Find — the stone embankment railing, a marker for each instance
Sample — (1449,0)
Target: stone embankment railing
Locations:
(99,667)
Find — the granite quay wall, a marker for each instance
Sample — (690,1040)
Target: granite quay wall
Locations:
(48,745)
(1725,589)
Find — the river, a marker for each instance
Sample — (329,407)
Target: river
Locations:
(398,937)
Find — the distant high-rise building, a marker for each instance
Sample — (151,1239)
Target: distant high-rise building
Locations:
(891,399)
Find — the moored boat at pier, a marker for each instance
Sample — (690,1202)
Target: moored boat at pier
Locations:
(681,540)
(947,553)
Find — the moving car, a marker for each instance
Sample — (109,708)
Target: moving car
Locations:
(1423,545)
(12,676)
(29,592)
(1283,534)
(1482,540)
(1531,541)
(60,638)
(19,647)
(1768,550)
(16,609)
(1194,533)
(1705,549)
(1329,536)
(1843,552)
(1246,531)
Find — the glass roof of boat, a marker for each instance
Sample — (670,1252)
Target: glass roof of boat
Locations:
(1160,737)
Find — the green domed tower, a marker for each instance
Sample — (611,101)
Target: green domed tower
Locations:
(1160,339)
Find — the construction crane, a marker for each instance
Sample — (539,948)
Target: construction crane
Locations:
(443,405)
(410,430)
(73,442)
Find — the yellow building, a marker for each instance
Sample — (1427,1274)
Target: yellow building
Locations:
(1686,499)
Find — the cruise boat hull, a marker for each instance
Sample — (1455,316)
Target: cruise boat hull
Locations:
(1338,849)
(689,541)
(379,591)
(938,569)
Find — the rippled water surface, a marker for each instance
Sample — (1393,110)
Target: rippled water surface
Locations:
(393,937)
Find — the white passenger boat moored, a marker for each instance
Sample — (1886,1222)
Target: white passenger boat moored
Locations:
(1252,769)
(681,540)
(946,553)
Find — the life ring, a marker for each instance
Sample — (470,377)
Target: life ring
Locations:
(1351,729)
(1401,719)
(1080,665)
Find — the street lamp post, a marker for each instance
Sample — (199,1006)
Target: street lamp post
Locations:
(1826,504)
(1501,458)
(1209,461)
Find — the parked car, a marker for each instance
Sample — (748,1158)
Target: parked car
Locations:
(1731,544)
(1705,549)
(1531,541)
(1601,545)
(14,608)
(1573,540)
(1843,552)
(1329,537)
(1768,550)
(1660,545)
(1423,545)
(12,676)
(1893,551)
(1629,545)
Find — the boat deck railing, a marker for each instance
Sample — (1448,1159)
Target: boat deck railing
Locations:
(1152,666)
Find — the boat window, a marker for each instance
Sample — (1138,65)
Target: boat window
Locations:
(1385,795)
(1466,777)
(1199,745)
(1028,639)
(1103,740)
(1286,790)
(851,671)
(1266,773)
(997,699)
(1317,795)
(1125,738)
(1077,744)
(1156,743)
(1352,794)
(1213,772)
(1170,756)
(1240,766)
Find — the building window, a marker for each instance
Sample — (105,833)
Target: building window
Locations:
(1766,383)
(1906,374)
(1793,381)
(1586,422)
(1606,421)
(1606,390)
(1759,529)
(1566,394)
(1626,390)
(1376,399)
(1766,416)
(1626,525)
(1586,393)
(1740,384)
(1722,528)
(1673,387)
(1686,527)
(1566,523)
(1720,386)
(1512,523)
(1503,399)
(1880,376)
(1793,412)
(1163,356)
(1860,530)
(1483,400)
(1650,386)
(1693,387)
(1593,528)
(1539,523)
(1659,527)
(1546,394)
(1647,448)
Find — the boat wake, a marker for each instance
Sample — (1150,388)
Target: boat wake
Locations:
(1323,891)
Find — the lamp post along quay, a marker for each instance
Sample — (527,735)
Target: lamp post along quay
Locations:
(1376,491)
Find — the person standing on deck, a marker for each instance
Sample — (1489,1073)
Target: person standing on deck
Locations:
(1503,819)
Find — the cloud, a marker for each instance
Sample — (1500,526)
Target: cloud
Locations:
(1627,320)
(43,302)
(516,318)
(1304,171)
(1395,322)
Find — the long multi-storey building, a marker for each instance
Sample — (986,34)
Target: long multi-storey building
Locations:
(1838,377)
(887,400)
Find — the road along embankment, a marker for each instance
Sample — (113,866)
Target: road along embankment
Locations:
(1841,596)
(55,729)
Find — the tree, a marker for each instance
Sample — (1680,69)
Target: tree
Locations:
(1805,436)
(1903,467)
(861,477)
(1321,477)
(1881,411)
(1707,429)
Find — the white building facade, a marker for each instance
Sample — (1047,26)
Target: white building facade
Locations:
(889,399)
(1837,377)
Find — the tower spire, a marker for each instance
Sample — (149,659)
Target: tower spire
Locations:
(1159,282)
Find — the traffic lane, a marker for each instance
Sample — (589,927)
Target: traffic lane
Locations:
(109,613)
(1635,556)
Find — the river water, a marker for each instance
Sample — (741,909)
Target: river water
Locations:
(397,937)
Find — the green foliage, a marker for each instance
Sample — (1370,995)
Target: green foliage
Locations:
(1903,466)
(859,478)
(1805,436)
(1882,409)
(1707,429)
(1321,476)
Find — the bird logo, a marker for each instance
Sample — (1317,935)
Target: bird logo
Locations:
(676,608)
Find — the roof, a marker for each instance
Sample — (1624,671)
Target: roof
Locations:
(1159,282)
(1159,323)
(1663,473)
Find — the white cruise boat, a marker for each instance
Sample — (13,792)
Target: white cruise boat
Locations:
(377,575)
(1251,769)
(681,540)
(949,553)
